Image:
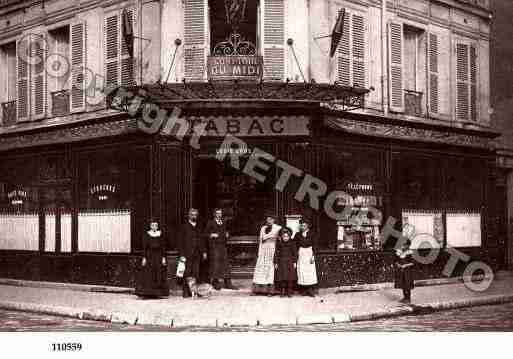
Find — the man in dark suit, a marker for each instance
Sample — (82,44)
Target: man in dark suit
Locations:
(191,249)
(216,235)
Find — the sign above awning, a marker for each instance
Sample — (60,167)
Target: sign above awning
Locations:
(234,67)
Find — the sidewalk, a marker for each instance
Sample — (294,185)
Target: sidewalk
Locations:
(238,308)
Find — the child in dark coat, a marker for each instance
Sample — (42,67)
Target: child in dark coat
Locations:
(285,259)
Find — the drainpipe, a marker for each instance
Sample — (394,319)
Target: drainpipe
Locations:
(384,57)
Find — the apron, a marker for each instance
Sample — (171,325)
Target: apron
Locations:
(306,272)
(264,269)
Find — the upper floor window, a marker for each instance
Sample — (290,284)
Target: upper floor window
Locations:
(119,27)
(466,81)
(8,54)
(58,86)
(413,70)
(232,21)
(8,83)
(351,51)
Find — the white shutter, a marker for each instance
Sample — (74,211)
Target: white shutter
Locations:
(433,73)
(38,84)
(77,56)
(127,63)
(462,82)
(473,82)
(23,79)
(274,39)
(195,44)
(395,59)
(358,34)
(111,30)
(344,54)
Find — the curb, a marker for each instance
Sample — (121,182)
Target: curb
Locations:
(181,322)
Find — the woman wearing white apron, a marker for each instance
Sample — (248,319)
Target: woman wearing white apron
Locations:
(306,271)
(263,277)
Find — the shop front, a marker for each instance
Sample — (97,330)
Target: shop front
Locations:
(76,200)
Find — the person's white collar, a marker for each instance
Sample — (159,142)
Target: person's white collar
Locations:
(154,233)
(193,223)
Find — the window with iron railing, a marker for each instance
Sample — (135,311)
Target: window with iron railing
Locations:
(58,86)
(8,83)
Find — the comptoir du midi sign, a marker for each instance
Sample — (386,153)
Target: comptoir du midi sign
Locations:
(234,67)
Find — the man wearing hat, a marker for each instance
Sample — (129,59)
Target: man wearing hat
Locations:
(263,277)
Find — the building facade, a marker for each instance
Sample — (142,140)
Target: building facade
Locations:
(397,117)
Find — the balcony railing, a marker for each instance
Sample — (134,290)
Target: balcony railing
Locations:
(60,103)
(412,103)
(9,113)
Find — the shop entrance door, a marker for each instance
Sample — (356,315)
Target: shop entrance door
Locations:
(244,201)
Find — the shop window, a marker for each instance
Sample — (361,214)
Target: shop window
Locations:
(359,175)
(19,205)
(113,200)
(463,229)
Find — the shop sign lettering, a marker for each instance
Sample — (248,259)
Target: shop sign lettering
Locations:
(265,126)
(234,67)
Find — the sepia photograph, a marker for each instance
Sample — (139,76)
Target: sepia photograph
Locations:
(244,166)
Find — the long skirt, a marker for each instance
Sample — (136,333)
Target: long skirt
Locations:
(306,272)
(152,279)
(264,269)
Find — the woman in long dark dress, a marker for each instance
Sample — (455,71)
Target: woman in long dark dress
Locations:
(404,271)
(152,281)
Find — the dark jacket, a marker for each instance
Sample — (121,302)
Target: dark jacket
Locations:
(191,241)
(191,245)
(217,251)
(285,257)
(309,241)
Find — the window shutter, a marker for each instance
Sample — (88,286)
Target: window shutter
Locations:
(462,80)
(433,73)
(77,56)
(38,83)
(127,69)
(395,54)
(22,83)
(344,54)
(473,83)
(358,32)
(195,44)
(111,47)
(274,39)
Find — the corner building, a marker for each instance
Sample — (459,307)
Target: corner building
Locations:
(398,119)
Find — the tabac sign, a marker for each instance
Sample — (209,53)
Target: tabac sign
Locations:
(253,125)
(232,67)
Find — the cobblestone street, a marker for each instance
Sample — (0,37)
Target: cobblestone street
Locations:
(483,318)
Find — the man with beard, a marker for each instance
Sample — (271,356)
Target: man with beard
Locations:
(191,249)
(217,235)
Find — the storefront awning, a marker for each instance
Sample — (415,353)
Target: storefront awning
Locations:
(173,94)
